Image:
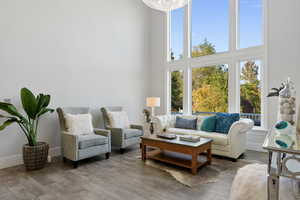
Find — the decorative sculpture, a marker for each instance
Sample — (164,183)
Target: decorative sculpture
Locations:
(287,101)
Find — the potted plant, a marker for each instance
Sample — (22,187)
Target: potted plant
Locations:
(35,153)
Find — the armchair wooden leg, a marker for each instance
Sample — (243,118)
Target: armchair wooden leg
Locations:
(122,150)
(107,155)
(75,164)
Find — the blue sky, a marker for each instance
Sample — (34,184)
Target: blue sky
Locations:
(210,20)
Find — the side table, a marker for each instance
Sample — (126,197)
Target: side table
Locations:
(282,162)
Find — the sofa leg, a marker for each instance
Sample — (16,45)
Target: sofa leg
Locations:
(233,159)
(122,150)
(75,164)
(64,159)
(107,155)
(242,155)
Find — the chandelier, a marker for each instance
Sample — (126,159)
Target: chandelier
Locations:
(165,5)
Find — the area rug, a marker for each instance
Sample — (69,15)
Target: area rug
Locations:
(207,174)
(250,183)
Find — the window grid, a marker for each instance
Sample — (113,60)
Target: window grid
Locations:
(233,57)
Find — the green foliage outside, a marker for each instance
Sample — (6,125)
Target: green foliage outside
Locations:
(177,91)
(210,85)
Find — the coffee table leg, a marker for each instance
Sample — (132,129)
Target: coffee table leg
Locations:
(208,155)
(194,163)
(143,152)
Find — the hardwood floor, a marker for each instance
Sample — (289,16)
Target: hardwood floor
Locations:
(119,178)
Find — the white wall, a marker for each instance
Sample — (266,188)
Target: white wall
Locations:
(283,55)
(83,52)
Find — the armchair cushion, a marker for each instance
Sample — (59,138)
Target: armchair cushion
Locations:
(130,133)
(90,140)
(79,124)
(118,119)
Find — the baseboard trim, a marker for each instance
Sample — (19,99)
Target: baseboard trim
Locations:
(14,160)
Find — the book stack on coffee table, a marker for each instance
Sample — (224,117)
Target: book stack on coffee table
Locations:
(190,138)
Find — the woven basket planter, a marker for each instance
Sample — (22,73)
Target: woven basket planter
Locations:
(35,157)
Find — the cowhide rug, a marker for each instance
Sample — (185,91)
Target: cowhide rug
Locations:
(220,168)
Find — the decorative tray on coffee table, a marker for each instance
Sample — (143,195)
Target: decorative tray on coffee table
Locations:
(168,136)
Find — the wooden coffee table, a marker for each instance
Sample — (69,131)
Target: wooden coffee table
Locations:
(175,145)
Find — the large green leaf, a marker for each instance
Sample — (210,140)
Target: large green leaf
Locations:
(44,110)
(39,100)
(29,103)
(42,102)
(11,109)
(7,123)
(46,100)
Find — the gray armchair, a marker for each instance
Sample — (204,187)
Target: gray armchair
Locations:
(120,137)
(78,147)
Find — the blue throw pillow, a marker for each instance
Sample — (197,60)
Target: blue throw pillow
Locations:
(209,124)
(186,123)
(225,120)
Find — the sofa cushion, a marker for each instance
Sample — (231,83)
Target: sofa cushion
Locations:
(90,140)
(186,123)
(218,138)
(225,120)
(209,124)
(130,133)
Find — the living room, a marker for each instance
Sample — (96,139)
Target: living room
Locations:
(93,54)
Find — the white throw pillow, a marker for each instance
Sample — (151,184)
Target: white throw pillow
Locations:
(118,119)
(79,124)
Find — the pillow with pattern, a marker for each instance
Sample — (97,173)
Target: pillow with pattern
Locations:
(225,120)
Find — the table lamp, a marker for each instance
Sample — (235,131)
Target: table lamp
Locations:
(153,102)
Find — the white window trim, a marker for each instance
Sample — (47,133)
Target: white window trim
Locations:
(231,57)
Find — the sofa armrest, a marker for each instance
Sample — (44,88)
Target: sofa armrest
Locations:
(102,132)
(70,145)
(105,133)
(242,126)
(136,126)
(238,137)
(117,136)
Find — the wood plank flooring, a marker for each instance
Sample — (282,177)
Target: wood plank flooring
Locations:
(121,177)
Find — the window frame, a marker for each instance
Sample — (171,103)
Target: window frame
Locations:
(232,57)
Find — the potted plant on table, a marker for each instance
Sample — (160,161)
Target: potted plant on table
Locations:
(35,153)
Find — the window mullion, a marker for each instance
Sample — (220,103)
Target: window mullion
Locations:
(187,32)
(233,25)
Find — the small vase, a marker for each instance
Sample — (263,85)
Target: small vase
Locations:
(284,137)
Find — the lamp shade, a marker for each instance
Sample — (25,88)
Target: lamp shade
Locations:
(166,5)
(153,102)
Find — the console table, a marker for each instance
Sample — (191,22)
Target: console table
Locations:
(286,163)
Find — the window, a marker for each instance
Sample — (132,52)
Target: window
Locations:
(250,23)
(250,90)
(210,27)
(210,89)
(176,34)
(218,47)
(177,92)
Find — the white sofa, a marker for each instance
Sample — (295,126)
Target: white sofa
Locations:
(230,145)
